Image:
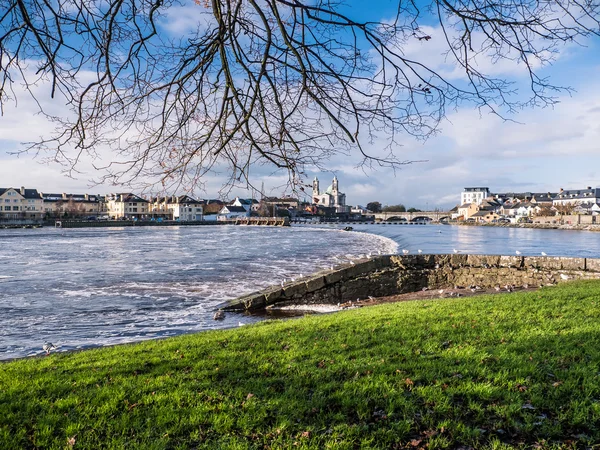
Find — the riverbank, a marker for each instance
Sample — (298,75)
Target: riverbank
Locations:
(539,226)
(514,370)
(391,275)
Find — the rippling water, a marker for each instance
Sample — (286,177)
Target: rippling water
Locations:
(89,287)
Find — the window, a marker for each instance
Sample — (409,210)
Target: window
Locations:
(134,209)
(7,208)
(15,208)
(7,200)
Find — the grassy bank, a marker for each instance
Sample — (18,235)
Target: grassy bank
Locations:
(499,371)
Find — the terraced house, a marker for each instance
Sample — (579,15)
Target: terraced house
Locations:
(127,206)
(72,205)
(21,204)
(183,208)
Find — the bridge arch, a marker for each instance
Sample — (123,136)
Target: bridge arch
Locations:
(395,219)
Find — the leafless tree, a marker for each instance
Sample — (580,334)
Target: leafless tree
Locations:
(286,83)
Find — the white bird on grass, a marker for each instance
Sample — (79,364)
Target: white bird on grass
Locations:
(518,252)
(352,262)
(420,251)
(455,251)
(544,254)
(48,346)
(564,277)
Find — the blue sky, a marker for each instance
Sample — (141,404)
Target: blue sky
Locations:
(547,149)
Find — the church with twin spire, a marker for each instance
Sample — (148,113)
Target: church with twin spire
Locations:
(331,198)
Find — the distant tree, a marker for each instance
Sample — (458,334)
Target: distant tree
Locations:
(413,210)
(374,207)
(74,209)
(546,211)
(564,209)
(394,208)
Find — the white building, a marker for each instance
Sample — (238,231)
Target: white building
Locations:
(576,196)
(126,205)
(331,198)
(474,195)
(20,204)
(233,212)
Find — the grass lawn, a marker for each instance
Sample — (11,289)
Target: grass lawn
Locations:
(517,370)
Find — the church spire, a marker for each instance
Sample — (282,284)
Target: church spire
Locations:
(315,187)
(334,184)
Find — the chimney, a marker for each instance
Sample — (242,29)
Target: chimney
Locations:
(87,197)
(561,190)
(64,196)
(23,191)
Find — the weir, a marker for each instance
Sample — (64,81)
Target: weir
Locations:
(388,275)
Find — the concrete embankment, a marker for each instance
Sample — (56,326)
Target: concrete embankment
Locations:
(395,274)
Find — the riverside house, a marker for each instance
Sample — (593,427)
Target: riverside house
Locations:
(72,205)
(20,205)
(126,206)
(183,208)
(233,212)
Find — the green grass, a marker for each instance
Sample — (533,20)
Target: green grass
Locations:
(504,371)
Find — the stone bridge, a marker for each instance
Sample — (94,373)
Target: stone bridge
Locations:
(434,216)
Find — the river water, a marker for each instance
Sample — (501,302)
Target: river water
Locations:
(91,287)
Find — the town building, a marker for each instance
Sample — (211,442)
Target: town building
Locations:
(576,196)
(331,198)
(72,205)
(233,212)
(127,206)
(21,204)
(474,195)
(183,208)
(249,204)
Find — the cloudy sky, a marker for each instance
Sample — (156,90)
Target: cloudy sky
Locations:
(538,150)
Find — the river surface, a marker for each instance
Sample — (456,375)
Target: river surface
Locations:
(81,288)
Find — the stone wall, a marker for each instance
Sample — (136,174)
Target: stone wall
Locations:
(394,274)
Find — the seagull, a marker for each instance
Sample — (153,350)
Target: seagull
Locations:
(455,251)
(292,279)
(544,254)
(439,231)
(352,262)
(420,251)
(371,297)
(405,252)
(518,252)
(240,324)
(564,277)
(219,315)
(48,346)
